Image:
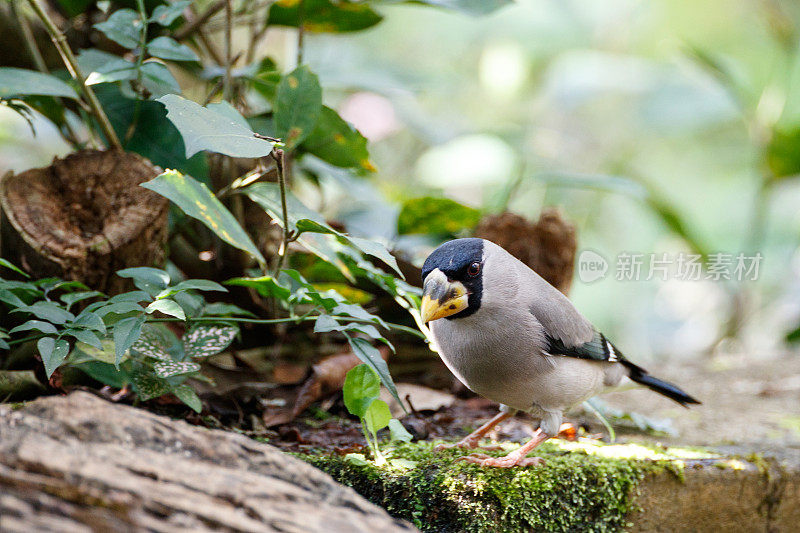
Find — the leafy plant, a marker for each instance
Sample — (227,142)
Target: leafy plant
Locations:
(361,391)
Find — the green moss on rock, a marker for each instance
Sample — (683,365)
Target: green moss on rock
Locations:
(584,486)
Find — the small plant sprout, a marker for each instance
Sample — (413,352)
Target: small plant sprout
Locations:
(361,390)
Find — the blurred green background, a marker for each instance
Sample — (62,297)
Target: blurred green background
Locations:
(641,120)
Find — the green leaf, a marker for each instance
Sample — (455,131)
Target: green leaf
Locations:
(304,219)
(223,309)
(298,102)
(168,307)
(37,325)
(194,199)
(151,344)
(157,79)
(126,332)
(324,15)
(266,286)
(372,357)
(783,153)
(122,27)
(72,298)
(121,308)
(206,340)
(398,432)
(468,7)
(8,297)
(136,296)
(168,369)
(169,48)
(11,266)
(792,337)
(89,320)
(151,280)
(105,373)
(337,142)
(436,216)
(47,311)
(85,336)
(326,323)
(165,14)
(188,396)
(23,82)
(377,416)
(361,387)
(148,386)
(192,284)
(53,352)
(104,354)
(205,129)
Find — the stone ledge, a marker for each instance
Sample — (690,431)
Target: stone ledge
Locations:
(79,463)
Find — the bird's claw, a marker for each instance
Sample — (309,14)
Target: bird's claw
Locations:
(465,444)
(509,461)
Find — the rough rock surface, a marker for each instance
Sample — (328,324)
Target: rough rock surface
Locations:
(79,463)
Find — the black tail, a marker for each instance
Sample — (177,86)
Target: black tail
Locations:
(640,375)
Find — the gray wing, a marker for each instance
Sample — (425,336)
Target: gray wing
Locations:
(567,332)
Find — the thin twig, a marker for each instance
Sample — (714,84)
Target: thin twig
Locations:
(60,41)
(301,14)
(196,23)
(226,85)
(280,159)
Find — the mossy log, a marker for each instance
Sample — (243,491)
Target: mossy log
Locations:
(583,486)
(84,217)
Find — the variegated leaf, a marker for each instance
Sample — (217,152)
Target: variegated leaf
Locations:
(207,340)
(168,369)
(149,345)
(149,386)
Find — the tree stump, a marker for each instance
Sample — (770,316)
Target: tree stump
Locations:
(84,217)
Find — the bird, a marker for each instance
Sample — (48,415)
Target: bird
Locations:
(511,337)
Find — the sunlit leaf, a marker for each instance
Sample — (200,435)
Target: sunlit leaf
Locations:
(398,432)
(377,416)
(266,286)
(198,202)
(783,153)
(337,142)
(53,352)
(72,298)
(436,216)
(169,48)
(205,129)
(168,307)
(207,340)
(11,266)
(122,27)
(223,309)
(89,320)
(192,284)
(372,357)
(23,82)
(298,102)
(85,336)
(330,16)
(361,387)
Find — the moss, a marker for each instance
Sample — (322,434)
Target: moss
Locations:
(583,486)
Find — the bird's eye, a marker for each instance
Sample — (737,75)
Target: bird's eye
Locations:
(474,269)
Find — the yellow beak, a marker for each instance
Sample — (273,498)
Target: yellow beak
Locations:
(442,297)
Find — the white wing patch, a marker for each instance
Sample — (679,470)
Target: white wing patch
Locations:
(612,354)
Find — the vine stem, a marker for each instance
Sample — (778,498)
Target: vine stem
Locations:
(226,86)
(280,159)
(60,41)
(301,15)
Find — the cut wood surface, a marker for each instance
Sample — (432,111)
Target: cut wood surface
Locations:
(84,217)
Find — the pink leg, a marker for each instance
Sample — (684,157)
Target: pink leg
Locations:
(473,440)
(515,458)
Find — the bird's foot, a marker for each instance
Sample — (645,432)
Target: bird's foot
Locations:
(509,461)
(465,444)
